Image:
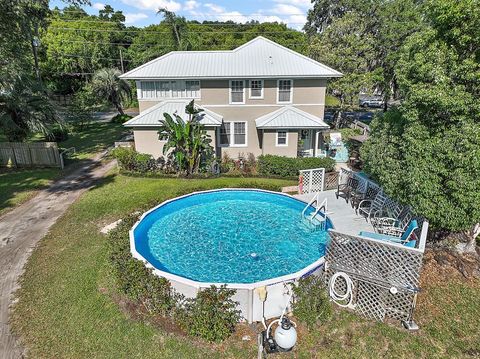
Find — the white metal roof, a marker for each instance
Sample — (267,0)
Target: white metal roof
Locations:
(153,115)
(257,58)
(290,117)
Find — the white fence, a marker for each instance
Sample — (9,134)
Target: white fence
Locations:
(311,181)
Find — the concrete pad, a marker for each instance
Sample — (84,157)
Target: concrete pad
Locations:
(341,213)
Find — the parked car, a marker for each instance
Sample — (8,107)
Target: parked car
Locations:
(371,102)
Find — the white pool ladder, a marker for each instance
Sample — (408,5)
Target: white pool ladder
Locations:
(313,221)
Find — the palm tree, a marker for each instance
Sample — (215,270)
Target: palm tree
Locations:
(187,141)
(24,109)
(107,85)
(179,29)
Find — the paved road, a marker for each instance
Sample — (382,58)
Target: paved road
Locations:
(24,226)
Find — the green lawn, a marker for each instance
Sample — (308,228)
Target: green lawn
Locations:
(18,185)
(96,137)
(66,310)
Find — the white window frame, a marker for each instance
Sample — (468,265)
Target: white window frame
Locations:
(230,93)
(250,90)
(232,135)
(278,91)
(286,139)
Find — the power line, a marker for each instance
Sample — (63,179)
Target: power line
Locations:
(90,57)
(227,13)
(193,22)
(167,45)
(166,32)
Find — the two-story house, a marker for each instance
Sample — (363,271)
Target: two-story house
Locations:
(261,98)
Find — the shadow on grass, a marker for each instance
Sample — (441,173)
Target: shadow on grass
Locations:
(18,185)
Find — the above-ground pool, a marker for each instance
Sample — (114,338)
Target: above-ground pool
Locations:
(242,238)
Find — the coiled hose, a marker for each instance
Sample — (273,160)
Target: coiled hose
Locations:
(340,299)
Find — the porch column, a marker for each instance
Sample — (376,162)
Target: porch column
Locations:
(315,141)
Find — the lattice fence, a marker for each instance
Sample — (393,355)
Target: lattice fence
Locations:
(331,180)
(376,267)
(311,181)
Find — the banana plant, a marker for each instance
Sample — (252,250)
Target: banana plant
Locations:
(187,142)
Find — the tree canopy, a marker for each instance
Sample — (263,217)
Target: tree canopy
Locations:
(426,152)
(361,38)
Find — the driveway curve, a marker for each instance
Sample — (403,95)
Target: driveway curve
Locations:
(25,225)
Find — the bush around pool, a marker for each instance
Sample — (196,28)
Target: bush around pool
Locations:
(270,165)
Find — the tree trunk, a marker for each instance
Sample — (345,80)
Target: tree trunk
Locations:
(473,234)
(119,108)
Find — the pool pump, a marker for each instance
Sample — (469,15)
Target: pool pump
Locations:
(284,338)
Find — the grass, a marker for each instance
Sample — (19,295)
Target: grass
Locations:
(19,185)
(65,306)
(95,138)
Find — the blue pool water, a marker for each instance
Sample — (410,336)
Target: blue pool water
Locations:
(229,236)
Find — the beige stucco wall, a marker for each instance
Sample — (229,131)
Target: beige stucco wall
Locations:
(146,141)
(217,92)
(270,144)
(308,95)
(305,91)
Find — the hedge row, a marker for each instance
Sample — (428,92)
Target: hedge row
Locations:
(270,165)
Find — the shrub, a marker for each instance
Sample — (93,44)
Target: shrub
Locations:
(212,315)
(133,278)
(311,303)
(58,134)
(120,118)
(270,165)
(131,160)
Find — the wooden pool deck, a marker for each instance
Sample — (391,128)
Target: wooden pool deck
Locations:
(341,213)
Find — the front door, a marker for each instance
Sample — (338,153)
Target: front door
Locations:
(305,143)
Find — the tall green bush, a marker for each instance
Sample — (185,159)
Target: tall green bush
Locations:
(270,165)
(212,315)
(133,278)
(131,160)
(311,303)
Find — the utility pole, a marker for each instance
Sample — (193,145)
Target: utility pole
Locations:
(121,61)
(35,44)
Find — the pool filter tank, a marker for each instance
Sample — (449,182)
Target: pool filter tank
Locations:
(284,339)
(286,335)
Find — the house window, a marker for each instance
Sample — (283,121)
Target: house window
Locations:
(239,133)
(178,89)
(284,90)
(256,89)
(282,138)
(163,88)
(168,89)
(237,91)
(225,134)
(233,134)
(148,89)
(192,88)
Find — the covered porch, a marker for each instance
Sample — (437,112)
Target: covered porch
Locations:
(290,123)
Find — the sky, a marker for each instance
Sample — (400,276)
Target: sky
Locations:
(143,12)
